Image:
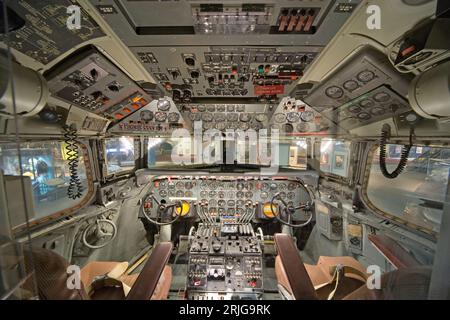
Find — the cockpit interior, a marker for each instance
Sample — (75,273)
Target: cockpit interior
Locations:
(224,150)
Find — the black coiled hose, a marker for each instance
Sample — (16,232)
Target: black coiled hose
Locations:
(75,186)
(385,135)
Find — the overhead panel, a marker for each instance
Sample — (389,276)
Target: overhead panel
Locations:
(203,49)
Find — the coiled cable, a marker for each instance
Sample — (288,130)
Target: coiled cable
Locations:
(75,189)
(385,136)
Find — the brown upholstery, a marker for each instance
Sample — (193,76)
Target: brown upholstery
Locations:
(51,276)
(402,284)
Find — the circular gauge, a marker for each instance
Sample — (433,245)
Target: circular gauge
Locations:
(171,185)
(334,92)
(231,203)
(220,126)
(264,195)
(364,116)
(354,109)
(219,117)
(208,125)
(256,126)
(292,117)
(381,97)
(188,194)
(307,116)
(220,185)
(212,211)
(273,186)
(211,108)
(201,108)
(221,203)
(179,185)
(207,117)
(212,194)
(291,186)
(232,117)
(173,117)
(220,108)
(171,193)
(233,125)
(213,185)
(240,195)
(303,127)
(189,185)
(288,128)
(261,117)
(240,203)
(163,193)
(213,202)
(243,126)
(249,194)
(230,194)
(195,116)
(204,194)
(267,210)
(204,185)
(163,105)
(291,195)
(146,115)
(279,117)
(249,186)
(180,194)
(230,108)
(282,186)
(240,186)
(245,117)
(367,103)
(351,85)
(283,195)
(221,194)
(366,76)
(160,116)
(377,111)
(265,186)
(163,184)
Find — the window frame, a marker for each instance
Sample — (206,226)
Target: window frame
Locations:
(389,216)
(83,147)
(333,176)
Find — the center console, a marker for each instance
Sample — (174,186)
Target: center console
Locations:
(225,265)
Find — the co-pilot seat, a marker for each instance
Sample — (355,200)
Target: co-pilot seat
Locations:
(152,283)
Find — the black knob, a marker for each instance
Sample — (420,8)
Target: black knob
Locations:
(190,61)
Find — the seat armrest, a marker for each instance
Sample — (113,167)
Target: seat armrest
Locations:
(393,252)
(146,283)
(299,281)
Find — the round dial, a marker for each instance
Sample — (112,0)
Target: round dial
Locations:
(377,111)
(173,117)
(220,108)
(291,195)
(180,193)
(201,108)
(163,193)
(293,117)
(351,85)
(211,108)
(163,184)
(243,126)
(195,116)
(249,194)
(265,186)
(307,116)
(240,195)
(264,195)
(280,118)
(179,185)
(245,117)
(163,105)
(212,194)
(367,103)
(213,202)
(146,115)
(261,117)
(256,126)
(334,92)
(354,109)
(364,116)
(207,117)
(288,128)
(219,117)
(292,186)
(220,126)
(303,127)
(232,117)
(382,97)
(160,116)
(366,76)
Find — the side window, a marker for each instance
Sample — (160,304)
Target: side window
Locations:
(46,170)
(417,195)
(334,157)
(119,155)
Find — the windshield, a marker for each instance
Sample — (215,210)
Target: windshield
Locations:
(226,154)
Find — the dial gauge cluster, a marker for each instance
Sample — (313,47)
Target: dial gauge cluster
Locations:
(222,196)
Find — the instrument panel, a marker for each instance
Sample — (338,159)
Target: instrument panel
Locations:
(230,197)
